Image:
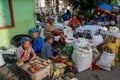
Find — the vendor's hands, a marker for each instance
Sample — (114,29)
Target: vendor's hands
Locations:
(23,57)
(19,64)
(55,57)
(56,50)
(62,32)
(25,52)
(33,57)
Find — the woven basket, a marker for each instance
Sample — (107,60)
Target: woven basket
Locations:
(35,34)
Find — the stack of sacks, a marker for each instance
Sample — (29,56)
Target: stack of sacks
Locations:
(82,54)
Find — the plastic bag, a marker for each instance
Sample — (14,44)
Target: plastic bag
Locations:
(70,41)
(37,44)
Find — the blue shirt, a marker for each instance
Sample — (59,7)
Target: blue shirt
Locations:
(47,51)
(66,17)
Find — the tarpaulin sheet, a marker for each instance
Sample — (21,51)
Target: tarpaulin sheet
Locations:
(91,28)
(105,6)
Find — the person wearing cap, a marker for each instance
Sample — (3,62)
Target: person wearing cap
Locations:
(50,29)
(25,52)
(47,51)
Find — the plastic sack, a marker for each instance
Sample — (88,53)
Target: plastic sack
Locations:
(82,58)
(104,29)
(37,44)
(70,41)
(67,50)
(80,42)
(105,61)
(65,23)
(97,39)
(68,32)
(2,62)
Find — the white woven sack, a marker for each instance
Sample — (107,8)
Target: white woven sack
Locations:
(70,41)
(97,39)
(65,23)
(105,61)
(104,29)
(2,62)
(80,42)
(82,58)
(68,32)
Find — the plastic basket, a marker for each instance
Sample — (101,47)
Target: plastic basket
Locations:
(35,34)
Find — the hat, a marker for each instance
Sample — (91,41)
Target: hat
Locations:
(49,37)
(25,39)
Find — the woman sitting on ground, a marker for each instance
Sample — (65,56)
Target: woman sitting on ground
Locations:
(74,22)
(47,50)
(50,29)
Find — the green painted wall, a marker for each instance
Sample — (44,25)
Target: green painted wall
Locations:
(24,20)
(4,13)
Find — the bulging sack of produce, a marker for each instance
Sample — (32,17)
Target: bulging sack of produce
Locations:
(82,58)
(70,41)
(68,32)
(105,60)
(80,42)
